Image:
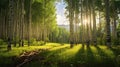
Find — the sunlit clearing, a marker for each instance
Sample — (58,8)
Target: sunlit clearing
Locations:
(60,47)
(70,52)
(94,50)
(53,44)
(96,54)
(107,51)
(16,51)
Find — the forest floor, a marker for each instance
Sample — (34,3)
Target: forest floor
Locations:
(57,55)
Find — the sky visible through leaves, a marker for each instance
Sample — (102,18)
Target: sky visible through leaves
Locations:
(61,18)
(60,11)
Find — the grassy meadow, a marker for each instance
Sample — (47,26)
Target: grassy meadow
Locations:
(58,55)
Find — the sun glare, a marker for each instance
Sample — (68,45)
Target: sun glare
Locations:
(85,20)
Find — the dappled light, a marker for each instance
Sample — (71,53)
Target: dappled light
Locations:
(56,54)
(70,53)
(59,33)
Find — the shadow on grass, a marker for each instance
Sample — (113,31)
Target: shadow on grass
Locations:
(116,50)
(106,61)
(90,59)
(86,58)
(56,51)
(83,58)
(79,58)
(6,61)
(51,58)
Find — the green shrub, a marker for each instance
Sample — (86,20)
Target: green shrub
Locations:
(2,42)
(34,42)
(41,43)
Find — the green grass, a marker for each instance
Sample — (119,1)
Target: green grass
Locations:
(18,50)
(64,56)
(78,56)
(6,56)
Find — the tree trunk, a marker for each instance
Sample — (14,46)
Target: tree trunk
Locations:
(94,24)
(108,32)
(100,28)
(11,5)
(22,17)
(29,22)
(114,29)
(82,33)
(71,23)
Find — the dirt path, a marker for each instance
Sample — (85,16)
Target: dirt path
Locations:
(29,56)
